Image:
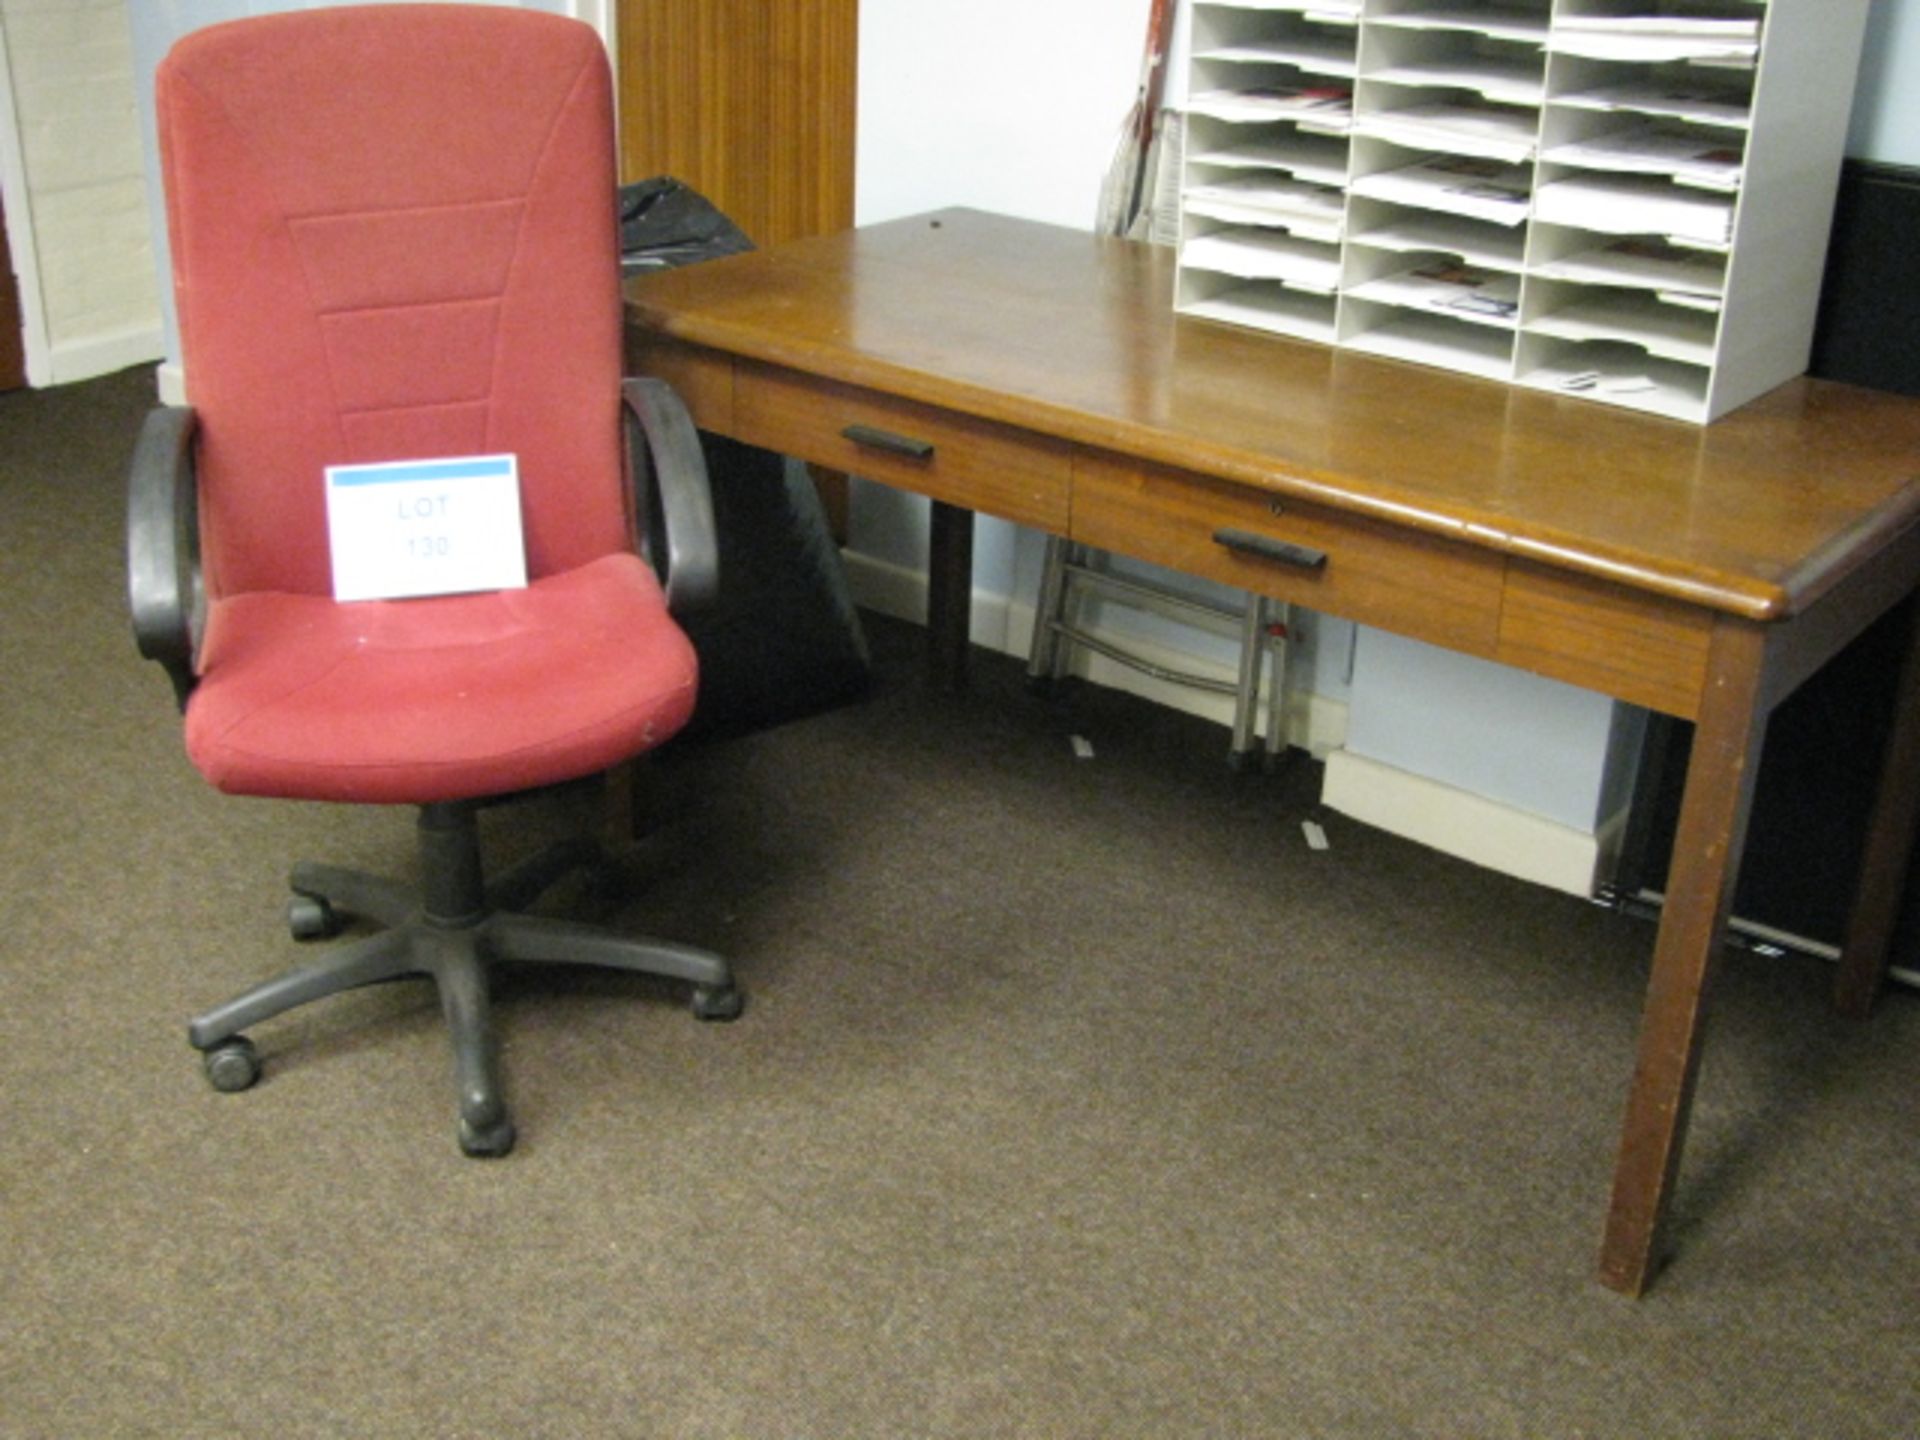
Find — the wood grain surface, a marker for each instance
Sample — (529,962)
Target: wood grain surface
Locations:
(1059,331)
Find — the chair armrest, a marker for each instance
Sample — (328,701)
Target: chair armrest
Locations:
(672,500)
(164,587)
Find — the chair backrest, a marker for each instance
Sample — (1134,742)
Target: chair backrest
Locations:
(394,237)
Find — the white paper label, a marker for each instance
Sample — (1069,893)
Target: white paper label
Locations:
(425,527)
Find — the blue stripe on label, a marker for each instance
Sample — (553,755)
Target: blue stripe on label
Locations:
(478,468)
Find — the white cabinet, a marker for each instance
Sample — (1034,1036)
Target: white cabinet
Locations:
(1623,200)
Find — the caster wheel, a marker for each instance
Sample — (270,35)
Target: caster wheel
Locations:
(718,1002)
(232,1064)
(486,1142)
(311,918)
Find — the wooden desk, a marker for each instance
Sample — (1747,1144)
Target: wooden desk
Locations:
(1039,374)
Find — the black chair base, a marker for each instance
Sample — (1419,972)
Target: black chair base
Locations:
(451,932)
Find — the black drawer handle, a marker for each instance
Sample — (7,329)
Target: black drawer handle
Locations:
(1267,548)
(874,438)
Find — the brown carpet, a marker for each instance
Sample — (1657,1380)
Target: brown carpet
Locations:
(1074,1099)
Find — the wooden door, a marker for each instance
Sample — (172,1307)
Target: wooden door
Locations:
(751,102)
(13,356)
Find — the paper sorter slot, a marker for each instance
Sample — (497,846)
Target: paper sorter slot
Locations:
(1635,205)
(1242,35)
(1639,262)
(1458,61)
(1581,312)
(1431,340)
(1654,37)
(1687,155)
(1382,226)
(1480,188)
(1254,254)
(1327,105)
(1215,148)
(1443,286)
(1670,93)
(1259,305)
(1615,373)
(1501,22)
(1464,126)
(1266,197)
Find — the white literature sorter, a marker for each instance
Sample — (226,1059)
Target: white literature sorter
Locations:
(1625,200)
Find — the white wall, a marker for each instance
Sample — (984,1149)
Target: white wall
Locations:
(74,186)
(1001,104)
(1886,110)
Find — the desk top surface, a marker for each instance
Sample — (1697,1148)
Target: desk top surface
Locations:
(1072,335)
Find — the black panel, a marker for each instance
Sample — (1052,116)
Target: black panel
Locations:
(1868,331)
(1820,766)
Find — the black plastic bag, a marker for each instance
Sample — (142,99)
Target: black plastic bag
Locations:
(664,224)
(781,639)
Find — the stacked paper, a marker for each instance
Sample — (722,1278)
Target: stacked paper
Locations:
(1636,205)
(1457,184)
(1254,255)
(1472,240)
(1485,297)
(1679,276)
(1496,22)
(1317,54)
(1328,106)
(1516,82)
(1460,127)
(1319,158)
(1703,104)
(1265,198)
(1653,150)
(1653,39)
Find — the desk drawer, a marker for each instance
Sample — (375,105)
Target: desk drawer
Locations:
(973,463)
(1378,574)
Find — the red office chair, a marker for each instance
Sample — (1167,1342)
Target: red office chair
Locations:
(393,233)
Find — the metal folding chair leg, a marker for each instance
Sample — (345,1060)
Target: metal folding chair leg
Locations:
(1071,567)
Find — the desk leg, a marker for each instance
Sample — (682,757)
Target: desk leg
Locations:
(1889,847)
(1706,858)
(949,594)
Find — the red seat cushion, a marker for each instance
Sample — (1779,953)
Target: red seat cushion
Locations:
(446,698)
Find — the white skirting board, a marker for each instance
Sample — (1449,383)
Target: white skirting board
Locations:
(102,354)
(171,380)
(1469,826)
